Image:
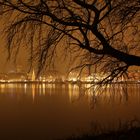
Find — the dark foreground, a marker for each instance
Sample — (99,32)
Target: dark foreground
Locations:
(129,134)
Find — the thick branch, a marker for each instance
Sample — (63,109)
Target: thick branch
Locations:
(122,56)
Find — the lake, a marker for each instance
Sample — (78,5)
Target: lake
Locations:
(52,111)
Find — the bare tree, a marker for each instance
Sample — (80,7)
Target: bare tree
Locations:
(104,33)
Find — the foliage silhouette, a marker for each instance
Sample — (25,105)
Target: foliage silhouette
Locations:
(103,33)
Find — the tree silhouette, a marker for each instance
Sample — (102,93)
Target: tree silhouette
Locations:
(105,33)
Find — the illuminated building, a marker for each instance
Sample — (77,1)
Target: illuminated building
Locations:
(33,75)
(52,76)
(16,77)
(3,77)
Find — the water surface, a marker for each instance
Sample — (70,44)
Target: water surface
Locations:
(52,111)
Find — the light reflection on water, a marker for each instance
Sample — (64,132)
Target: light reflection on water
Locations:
(60,110)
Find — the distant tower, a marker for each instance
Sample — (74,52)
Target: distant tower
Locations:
(33,75)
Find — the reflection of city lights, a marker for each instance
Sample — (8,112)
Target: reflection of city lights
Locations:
(40,88)
(49,86)
(2,87)
(43,88)
(70,91)
(33,92)
(88,85)
(11,85)
(25,88)
(74,92)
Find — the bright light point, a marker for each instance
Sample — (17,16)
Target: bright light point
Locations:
(74,79)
